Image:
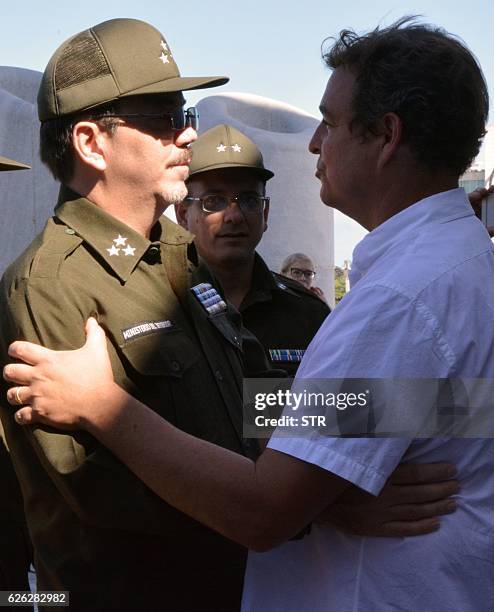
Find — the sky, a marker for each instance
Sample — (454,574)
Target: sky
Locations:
(270,48)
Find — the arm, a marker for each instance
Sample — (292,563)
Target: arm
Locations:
(256,504)
(244,506)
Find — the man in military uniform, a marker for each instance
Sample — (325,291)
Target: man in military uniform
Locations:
(227,211)
(115,134)
(15,548)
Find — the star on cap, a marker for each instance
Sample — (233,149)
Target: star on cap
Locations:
(164,58)
(113,250)
(129,250)
(237,148)
(164,46)
(120,241)
(221,148)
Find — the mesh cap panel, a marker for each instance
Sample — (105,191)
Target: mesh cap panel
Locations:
(81,60)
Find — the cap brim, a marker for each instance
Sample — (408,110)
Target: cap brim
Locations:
(10,164)
(263,172)
(179,84)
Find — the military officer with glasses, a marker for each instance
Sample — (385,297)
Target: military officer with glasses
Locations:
(114,132)
(227,211)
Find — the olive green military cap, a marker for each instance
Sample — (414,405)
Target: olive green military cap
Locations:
(114,59)
(225,147)
(10,164)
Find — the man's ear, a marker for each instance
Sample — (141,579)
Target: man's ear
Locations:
(88,141)
(181,211)
(391,130)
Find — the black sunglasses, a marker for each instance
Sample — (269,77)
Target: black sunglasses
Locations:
(176,120)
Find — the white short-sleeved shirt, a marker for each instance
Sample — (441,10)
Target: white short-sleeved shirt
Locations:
(421,306)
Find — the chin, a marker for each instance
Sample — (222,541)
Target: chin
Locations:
(325,196)
(233,255)
(174,194)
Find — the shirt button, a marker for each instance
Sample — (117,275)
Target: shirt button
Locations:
(70,231)
(153,254)
(218,375)
(176,367)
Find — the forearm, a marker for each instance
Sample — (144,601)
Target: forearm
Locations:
(247,502)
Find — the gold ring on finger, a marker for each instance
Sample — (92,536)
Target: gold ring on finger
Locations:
(17,397)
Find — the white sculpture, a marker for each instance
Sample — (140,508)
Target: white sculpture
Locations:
(27,198)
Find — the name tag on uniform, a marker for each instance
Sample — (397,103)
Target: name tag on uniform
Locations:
(281,355)
(210,299)
(145,328)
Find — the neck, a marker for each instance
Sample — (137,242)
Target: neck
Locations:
(134,213)
(235,279)
(401,193)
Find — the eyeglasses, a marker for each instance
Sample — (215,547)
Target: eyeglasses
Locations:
(299,273)
(176,121)
(248,203)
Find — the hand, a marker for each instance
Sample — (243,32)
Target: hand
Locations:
(409,504)
(58,388)
(319,292)
(476,198)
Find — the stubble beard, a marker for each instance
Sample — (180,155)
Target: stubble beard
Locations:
(173,195)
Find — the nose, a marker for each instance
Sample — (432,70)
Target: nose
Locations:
(185,137)
(314,144)
(233,214)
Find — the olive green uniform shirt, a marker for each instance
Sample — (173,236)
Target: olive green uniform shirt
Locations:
(283,314)
(97,530)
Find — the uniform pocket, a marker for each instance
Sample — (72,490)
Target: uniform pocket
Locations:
(163,353)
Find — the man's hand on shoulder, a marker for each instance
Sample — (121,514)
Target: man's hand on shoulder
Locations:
(58,388)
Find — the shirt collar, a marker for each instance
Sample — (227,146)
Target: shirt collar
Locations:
(117,244)
(262,284)
(436,209)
